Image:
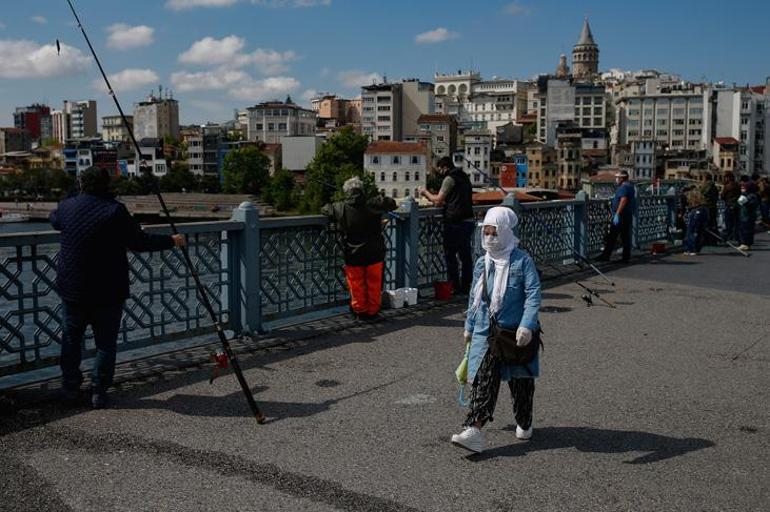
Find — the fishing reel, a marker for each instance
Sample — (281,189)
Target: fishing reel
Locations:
(587,299)
(221,362)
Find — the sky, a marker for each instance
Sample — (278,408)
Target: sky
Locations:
(221,55)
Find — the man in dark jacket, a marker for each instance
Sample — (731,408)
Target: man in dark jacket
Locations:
(456,198)
(710,193)
(92,277)
(359,220)
(731,191)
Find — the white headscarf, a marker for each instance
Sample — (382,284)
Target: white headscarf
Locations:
(498,254)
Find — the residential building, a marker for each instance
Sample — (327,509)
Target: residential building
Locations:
(151,157)
(77,120)
(36,120)
(399,169)
(440,131)
(564,103)
(80,154)
(514,174)
(298,152)
(569,159)
(541,161)
(270,122)
(478,152)
(115,130)
(381,106)
(744,114)
(157,117)
(417,99)
(677,117)
(646,156)
(13,139)
(726,154)
(353,112)
(195,154)
(585,55)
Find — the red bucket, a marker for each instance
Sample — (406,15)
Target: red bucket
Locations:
(442,290)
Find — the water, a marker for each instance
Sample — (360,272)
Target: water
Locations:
(24,227)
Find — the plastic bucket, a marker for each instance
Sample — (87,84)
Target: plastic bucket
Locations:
(658,248)
(442,290)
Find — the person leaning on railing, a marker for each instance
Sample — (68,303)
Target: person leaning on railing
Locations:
(359,219)
(456,198)
(92,277)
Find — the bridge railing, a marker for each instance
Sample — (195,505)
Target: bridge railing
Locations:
(259,270)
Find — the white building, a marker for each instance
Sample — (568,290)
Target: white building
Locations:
(114,130)
(77,120)
(744,114)
(678,117)
(195,154)
(270,122)
(398,168)
(560,102)
(381,116)
(645,153)
(477,152)
(298,152)
(156,117)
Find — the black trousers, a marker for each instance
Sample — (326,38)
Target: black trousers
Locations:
(486,387)
(624,230)
(457,243)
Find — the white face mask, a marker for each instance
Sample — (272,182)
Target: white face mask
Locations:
(617,181)
(491,242)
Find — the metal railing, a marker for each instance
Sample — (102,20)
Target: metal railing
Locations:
(263,269)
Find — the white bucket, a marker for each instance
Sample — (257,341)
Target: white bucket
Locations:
(395,298)
(411,296)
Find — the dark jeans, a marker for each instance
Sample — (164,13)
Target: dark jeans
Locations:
(746,231)
(731,223)
(764,209)
(105,322)
(624,230)
(697,219)
(457,243)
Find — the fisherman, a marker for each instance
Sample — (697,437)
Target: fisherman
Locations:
(455,196)
(92,277)
(731,191)
(697,220)
(621,218)
(359,219)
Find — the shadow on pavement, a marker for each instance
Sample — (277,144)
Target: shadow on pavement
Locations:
(594,440)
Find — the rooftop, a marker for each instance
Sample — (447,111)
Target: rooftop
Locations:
(392,147)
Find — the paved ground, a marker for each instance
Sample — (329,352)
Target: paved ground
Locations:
(662,404)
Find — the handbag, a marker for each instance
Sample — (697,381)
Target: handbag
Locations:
(502,341)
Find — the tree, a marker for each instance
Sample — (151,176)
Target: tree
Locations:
(246,171)
(530,133)
(124,186)
(339,159)
(179,178)
(281,191)
(209,184)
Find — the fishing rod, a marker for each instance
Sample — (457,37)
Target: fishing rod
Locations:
(724,240)
(590,291)
(545,226)
(227,352)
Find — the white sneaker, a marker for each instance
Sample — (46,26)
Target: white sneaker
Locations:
(523,434)
(471,438)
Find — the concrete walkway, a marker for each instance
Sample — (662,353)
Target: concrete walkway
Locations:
(662,404)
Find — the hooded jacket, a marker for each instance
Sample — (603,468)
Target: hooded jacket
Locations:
(359,221)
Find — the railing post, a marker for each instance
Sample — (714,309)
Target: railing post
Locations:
(671,204)
(246,304)
(581,224)
(407,239)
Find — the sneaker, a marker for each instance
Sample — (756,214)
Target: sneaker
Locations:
(744,247)
(471,438)
(523,434)
(99,400)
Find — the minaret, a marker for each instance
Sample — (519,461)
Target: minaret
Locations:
(562,71)
(585,55)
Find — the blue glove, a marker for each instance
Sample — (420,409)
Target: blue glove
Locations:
(616,219)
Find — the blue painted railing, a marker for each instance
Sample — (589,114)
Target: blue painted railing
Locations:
(262,269)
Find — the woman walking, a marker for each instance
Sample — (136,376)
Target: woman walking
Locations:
(512,298)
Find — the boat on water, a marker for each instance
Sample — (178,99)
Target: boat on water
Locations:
(7,218)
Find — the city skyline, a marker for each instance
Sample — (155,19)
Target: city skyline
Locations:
(210,53)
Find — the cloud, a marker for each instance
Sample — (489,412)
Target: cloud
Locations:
(2,25)
(181,5)
(309,94)
(39,20)
(292,3)
(208,80)
(124,37)
(435,36)
(354,78)
(227,52)
(266,89)
(516,9)
(27,59)
(128,80)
